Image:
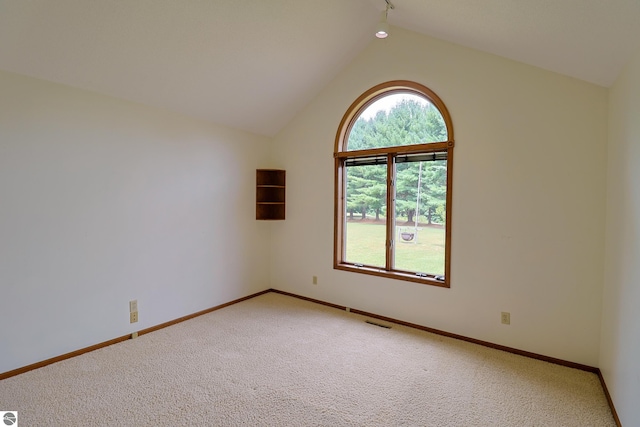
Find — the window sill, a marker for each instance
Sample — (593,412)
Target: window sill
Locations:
(397,275)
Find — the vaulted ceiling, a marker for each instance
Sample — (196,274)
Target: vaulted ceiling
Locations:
(252,64)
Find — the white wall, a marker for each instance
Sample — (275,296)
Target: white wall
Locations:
(620,348)
(103,201)
(528,201)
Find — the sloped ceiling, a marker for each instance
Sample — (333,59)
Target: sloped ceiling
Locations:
(588,39)
(252,64)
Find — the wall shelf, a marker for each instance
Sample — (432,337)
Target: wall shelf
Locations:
(270,194)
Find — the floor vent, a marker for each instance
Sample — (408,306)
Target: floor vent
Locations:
(378,324)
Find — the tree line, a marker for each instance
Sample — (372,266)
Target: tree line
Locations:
(407,123)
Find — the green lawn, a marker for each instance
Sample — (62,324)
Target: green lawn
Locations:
(365,245)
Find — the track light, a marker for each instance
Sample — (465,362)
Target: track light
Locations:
(382,30)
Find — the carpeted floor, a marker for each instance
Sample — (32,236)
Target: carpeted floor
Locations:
(279,361)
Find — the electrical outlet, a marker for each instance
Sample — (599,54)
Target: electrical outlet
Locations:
(505,318)
(133,317)
(133,305)
(315,280)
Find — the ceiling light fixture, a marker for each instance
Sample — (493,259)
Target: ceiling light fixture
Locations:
(382,30)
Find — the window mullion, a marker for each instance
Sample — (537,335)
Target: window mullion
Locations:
(391,211)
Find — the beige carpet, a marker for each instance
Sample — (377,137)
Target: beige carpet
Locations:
(279,361)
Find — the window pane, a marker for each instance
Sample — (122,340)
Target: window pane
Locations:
(421,193)
(365,215)
(396,120)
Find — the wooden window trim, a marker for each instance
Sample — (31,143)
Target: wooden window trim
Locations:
(403,149)
(340,156)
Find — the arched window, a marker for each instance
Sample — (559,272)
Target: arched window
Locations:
(393,160)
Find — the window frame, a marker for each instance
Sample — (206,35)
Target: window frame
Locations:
(341,154)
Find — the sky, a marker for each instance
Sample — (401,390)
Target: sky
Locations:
(387,102)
